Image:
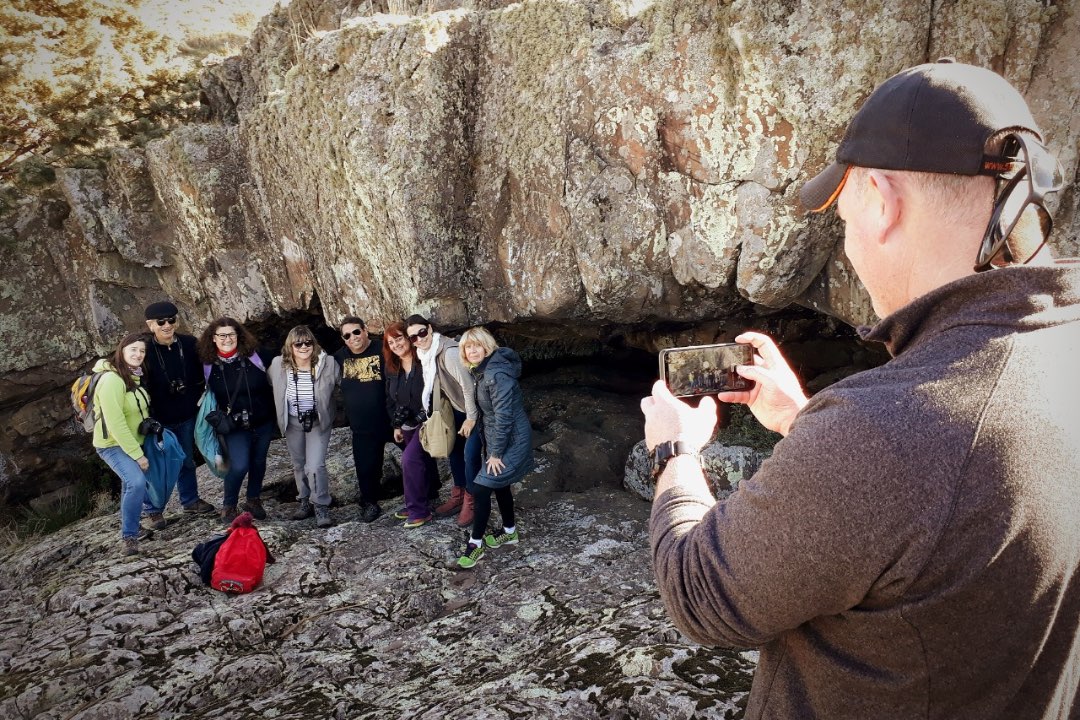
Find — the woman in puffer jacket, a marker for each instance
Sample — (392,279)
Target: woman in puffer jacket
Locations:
(506,437)
(120,406)
(304,379)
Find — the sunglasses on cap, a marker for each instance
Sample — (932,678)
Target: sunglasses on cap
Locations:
(354,333)
(421,333)
(303,343)
(1033,175)
(162,322)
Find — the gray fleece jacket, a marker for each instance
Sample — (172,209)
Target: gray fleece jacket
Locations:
(912,548)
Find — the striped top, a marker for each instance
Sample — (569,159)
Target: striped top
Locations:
(299,391)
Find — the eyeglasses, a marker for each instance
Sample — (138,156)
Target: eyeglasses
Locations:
(162,322)
(303,343)
(224,336)
(354,333)
(1022,195)
(421,333)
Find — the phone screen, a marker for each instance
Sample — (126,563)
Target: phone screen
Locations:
(705,369)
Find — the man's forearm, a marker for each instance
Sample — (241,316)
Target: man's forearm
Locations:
(684,470)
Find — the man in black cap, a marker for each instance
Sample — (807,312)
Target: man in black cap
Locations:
(911,549)
(174,379)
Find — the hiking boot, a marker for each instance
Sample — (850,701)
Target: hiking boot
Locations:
(401,514)
(199,507)
(157,521)
(255,507)
(450,506)
(370,511)
(304,511)
(471,556)
(504,538)
(228,514)
(145,534)
(468,510)
(130,546)
(322,516)
(409,525)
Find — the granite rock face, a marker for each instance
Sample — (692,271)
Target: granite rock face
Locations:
(359,620)
(589,164)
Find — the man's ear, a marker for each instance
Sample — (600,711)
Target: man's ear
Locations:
(150,325)
(883,199)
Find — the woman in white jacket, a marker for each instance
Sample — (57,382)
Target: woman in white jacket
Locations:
(304,379)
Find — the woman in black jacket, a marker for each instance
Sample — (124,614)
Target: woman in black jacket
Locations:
(405,406)
(237,376)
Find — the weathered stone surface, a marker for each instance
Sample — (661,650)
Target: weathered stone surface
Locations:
(359,620)
(574,162)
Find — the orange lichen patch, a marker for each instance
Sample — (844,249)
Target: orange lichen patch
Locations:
(782,133)
(188,189)
(631,151)
(681,143)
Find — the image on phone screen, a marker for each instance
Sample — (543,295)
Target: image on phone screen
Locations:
(705,369)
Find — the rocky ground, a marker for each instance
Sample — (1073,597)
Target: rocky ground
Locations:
(371,620)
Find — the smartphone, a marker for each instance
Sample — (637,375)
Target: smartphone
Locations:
(705,369)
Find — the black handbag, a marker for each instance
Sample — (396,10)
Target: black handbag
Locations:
(220,421)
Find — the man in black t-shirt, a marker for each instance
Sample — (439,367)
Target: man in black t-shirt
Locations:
(364,393)
(174,379)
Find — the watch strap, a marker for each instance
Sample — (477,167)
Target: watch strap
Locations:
(663,453)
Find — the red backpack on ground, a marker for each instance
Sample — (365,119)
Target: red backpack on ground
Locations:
(242,558)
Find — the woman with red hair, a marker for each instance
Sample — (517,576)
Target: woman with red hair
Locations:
(405,406)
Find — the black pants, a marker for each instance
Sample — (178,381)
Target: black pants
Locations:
(367,451)
(482,499)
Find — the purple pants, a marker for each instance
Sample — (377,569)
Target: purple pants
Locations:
(418,469)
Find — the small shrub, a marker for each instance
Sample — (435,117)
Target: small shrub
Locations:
(95,494)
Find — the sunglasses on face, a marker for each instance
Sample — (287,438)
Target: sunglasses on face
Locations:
(421,333)
(1037,174)
(354,333)
(162,322)
(303,343)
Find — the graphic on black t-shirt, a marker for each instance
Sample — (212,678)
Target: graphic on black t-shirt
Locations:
(363,369)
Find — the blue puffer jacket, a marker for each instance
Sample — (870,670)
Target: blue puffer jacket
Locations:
(507,433)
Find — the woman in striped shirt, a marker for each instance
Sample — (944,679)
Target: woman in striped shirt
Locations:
(304,379)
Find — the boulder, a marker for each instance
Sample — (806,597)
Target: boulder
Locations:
(724,466)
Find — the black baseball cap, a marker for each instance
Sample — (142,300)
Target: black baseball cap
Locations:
(933,118)
(159,310)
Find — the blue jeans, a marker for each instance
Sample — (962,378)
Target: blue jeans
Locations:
(132,487)
(247,456)
(465,457)
(186,486)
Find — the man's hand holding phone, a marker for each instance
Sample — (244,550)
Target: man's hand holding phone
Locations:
(776,396)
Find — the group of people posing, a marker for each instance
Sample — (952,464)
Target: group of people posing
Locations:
(387,389)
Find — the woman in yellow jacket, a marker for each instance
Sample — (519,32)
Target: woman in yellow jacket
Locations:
(120,406)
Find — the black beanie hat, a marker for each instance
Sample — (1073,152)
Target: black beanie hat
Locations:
(159,310)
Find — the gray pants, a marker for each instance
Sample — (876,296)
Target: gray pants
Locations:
(308,453)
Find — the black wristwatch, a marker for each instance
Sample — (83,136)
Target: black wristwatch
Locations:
(663,452)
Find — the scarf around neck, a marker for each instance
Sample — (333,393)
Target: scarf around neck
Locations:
(427,365)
